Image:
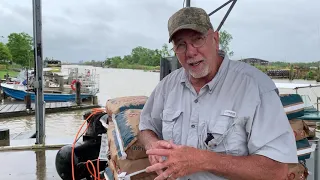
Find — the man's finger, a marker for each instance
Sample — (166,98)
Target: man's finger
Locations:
(159,152)
(159,172)
(164,144)
(165,175)
(155,167)
(173,145)
(157,159)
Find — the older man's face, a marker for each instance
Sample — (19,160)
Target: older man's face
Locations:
(196,52)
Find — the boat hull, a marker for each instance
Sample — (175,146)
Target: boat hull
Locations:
(48,97)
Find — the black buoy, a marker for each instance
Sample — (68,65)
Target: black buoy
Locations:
(88,149)
(4,137)
(63,162)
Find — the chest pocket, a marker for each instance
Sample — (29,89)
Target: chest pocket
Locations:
(227,135)
(170,125)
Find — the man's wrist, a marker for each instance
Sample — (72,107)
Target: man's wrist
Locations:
(147,138)
(208,157)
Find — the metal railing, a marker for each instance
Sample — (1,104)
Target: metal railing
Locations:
(233,2)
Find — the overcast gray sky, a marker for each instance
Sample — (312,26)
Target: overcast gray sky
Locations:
(75,30)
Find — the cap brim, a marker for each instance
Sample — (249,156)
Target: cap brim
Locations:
(194,27)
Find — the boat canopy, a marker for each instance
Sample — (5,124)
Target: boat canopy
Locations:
(295,86)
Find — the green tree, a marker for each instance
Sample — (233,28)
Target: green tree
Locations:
(225,39)
(140,57)
(5,54)
(165,51)
(21,48)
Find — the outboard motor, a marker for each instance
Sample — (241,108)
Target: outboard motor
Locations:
(88,149)
(167,65)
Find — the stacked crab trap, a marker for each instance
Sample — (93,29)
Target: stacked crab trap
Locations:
(304,132)
(127,158)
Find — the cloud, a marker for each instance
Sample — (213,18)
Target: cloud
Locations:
(77,30)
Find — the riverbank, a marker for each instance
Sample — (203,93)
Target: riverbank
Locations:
(10,72)
(294,72)
(135,66)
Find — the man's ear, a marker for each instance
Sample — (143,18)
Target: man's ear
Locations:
(216,39)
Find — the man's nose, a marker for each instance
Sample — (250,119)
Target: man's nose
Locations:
(191,51)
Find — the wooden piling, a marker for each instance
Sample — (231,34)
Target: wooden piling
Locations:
(61,83)
(78,93)
(27,100)
(4,137)
(95,100)
(1,93)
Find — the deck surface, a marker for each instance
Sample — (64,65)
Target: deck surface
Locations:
(19,109)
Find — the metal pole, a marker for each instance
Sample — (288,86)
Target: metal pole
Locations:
(316,160)
(38,84)
(187,3)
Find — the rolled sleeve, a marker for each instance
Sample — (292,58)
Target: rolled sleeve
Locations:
(270,131)
(150,118)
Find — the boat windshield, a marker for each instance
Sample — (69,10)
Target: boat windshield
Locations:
(308,105)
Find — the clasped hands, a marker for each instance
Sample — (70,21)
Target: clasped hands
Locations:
(180,160)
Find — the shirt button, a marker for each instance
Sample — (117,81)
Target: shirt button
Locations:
(196,100)
(193,126)
(213,145)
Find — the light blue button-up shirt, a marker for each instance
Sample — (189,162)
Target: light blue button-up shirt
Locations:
(239,109)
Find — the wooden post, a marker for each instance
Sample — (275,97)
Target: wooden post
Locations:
(78,93)
(61,84)
(4,137)
(27,100)
(1,93)
(95,100)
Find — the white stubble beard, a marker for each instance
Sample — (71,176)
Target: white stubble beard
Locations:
(201,74)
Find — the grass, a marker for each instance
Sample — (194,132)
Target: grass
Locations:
(11,73)
(137,66)
(10,69)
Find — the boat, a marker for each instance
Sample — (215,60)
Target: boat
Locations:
(20,92)
(311,105)
(52,65)
(56,87)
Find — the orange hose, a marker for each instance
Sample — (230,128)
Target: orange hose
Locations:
(98,169)
(94,111)
(94,169)
(93,174)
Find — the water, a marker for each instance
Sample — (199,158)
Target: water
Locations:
(29,165)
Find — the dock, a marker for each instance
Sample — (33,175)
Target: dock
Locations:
(20,109)
(26,160)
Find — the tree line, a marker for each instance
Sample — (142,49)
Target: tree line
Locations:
(18,50)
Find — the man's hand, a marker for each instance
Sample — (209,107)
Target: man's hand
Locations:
(181,161)
(154,159)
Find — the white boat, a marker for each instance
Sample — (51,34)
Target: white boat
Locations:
(56,87)
(308,92)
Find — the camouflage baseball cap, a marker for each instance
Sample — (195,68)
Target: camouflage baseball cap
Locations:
(189,18)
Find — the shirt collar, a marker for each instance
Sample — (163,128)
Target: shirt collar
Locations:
(220,74)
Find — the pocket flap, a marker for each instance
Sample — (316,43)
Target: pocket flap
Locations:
(170,114)
(221,126)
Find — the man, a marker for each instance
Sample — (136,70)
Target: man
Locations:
(214,118)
